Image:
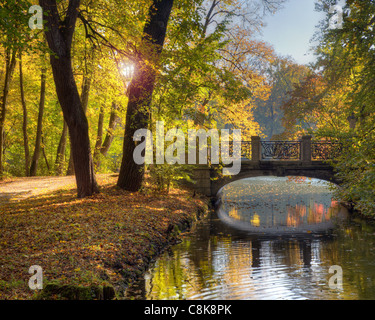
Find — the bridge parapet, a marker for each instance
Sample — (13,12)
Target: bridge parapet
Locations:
(304,150)
(276,158)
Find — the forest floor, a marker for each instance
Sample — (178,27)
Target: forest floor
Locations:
(88,248)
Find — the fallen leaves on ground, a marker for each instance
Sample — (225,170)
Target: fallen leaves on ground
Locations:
(108,238)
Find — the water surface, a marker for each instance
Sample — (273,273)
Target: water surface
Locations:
(271,238)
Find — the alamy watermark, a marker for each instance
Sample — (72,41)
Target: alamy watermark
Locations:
(337,11)
(176,151)
(36,20)
(36,280)
(335,281)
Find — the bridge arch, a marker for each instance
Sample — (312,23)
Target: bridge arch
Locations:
(326,174)
(209,181)
(216,187)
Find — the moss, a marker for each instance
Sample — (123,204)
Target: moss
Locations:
(54,291)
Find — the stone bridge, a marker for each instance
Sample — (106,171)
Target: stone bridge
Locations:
(273,158)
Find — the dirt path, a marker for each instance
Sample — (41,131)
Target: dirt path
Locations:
(17,189)
(22,188)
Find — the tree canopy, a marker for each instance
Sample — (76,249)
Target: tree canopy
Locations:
(66,88)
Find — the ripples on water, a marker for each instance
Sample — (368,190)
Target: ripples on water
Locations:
(271,238)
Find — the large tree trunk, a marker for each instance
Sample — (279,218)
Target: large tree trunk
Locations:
(38,139)
(141,89)
(86,84)
(24,122)
(10,64)
(59,37)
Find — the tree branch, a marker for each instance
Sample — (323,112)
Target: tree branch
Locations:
(59,33)
(95,35)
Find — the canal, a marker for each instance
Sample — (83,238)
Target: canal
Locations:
(269,238)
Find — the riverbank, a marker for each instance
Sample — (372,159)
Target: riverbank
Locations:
(350,206)
(89,248)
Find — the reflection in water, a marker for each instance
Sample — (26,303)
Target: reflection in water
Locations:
(255,205)
(219,261)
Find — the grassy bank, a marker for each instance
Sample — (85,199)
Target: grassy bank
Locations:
(88,248)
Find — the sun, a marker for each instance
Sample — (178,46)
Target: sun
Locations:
(127,70)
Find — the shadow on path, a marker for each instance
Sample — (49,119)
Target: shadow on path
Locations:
(23,188)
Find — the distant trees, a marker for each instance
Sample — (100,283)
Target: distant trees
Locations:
(13,37)
(283,75)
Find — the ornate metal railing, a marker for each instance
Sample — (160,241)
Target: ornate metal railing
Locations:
(325,150)
(304,150)
(281,150)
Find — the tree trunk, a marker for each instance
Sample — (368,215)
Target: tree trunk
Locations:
(24,123)
(10,64)
(99,138)
(100,146)
(38,139)
(141,89)
(70,170)
(44,154)
(114,119)
(85,92)
(60,157)
(59,36)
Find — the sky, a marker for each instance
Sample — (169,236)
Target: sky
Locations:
(290,29)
